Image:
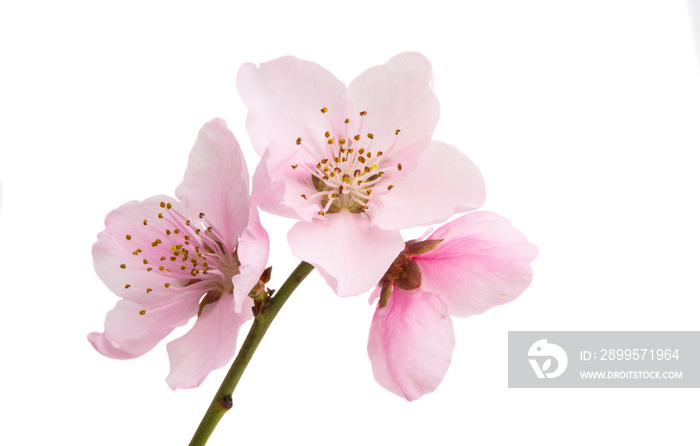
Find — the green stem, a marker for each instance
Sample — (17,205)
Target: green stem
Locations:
(222,401)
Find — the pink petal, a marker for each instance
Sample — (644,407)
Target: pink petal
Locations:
(126,243)
(398,95)
(129,333)
(350,254)
(278,188)
(253,250)
(483,262)
(445,182)
(410,343)
(284,99)
(210,344)
(216,181)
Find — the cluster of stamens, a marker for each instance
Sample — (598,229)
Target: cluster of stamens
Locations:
(346,177)
(179,253)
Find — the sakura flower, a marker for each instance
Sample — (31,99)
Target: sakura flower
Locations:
(464,268)
(173,259)
(353,164)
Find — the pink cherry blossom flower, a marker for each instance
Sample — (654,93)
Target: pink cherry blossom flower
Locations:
(173,259)
(464,268)
(353,164)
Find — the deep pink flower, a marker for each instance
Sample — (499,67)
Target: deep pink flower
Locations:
(354,164)
(171,260)
(465,267)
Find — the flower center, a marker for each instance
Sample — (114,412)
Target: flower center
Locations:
(177,252)
(346,177)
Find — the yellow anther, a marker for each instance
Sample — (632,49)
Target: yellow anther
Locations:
(363,113)
(321,213)
(380,153)
(361,151)
(304,196)
(160,215)
(168,205)
(299,141)
(361,159)
(341,141)
(398,166)
(145,262)
(375,165)
(347,121)
(127,286)
(294,166)
(142,312)
(167,232)
(370,136)
(328,134)
(162,204)
(161,268)
(330,141)
(346,178)
(122,266)
(136,252)
(148,290)
(324,110)
(128,237)
(390,187)
(356,137)
(166,285)
(398,131)
(201,215)
(145,222)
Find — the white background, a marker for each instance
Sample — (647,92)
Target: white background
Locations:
(582,116)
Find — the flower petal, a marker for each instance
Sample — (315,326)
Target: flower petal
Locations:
(278,188)
(210,344)
(398,95)
(132,329)
(483,262)
(410,343)
(125,257)
(216,181)
(253,250)
(350,254)
(285,97)
(444,182)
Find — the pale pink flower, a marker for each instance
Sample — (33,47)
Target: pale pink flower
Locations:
(354,164)
(464,268)
(173,259)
